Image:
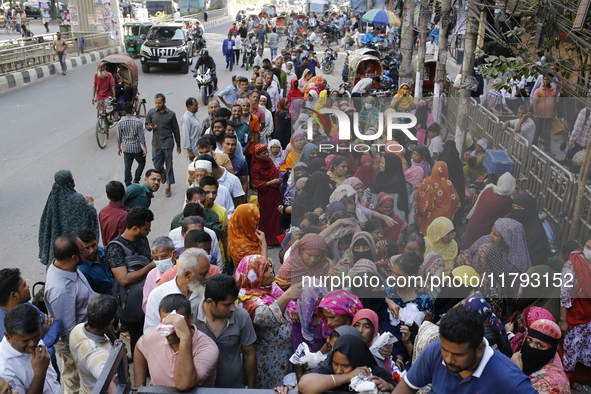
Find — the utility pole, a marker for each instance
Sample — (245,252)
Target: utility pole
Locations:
(406,42)
(580,202)
(467,73)
(423,18)
(440,71)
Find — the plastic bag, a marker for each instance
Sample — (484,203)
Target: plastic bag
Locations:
(362,384)
(385,338)
(303,355)
(411,314)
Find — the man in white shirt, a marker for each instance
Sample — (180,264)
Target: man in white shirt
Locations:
(90,344)
(27,367)
(193,220)
(225,178)
(258,59)
(193,273)
(177,14)
(523,125)
(203,168)
(363,87)
(191,128)
(431,46)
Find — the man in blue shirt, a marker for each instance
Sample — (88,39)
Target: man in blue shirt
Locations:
(95,268)
(463,362)
(229,95)
(261,36)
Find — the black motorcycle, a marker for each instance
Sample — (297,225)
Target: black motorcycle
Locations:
(292,42)
(249,54)
(327,62)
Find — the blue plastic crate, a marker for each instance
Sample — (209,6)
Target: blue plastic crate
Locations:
(498,162)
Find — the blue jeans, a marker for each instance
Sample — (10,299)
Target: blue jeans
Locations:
(62,59)
(128,159)
(273,53)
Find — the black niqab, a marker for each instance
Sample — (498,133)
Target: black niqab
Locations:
(536,238)
(392,181)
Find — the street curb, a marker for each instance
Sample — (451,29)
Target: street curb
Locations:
(25,77)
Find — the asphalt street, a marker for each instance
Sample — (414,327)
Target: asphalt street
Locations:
(49,126)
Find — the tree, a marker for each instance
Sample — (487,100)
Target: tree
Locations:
(406,42)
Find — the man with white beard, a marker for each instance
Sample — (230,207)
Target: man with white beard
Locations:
(193,273)
(104,84)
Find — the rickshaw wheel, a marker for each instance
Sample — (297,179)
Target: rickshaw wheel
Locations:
(141,112)
(102,131)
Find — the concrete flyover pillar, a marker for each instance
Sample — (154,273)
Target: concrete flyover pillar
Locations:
(95,16)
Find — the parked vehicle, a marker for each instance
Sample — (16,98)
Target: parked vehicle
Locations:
(249,54)
(362,65)
(327,62)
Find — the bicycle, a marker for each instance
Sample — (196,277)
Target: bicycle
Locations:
(107,116)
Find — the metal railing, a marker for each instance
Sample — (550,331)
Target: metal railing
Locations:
(22,54)
(116,365)
(553,185)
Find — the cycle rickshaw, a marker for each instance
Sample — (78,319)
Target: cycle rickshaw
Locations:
(108,111)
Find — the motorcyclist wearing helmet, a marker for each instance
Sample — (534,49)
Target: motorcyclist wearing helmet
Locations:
(249,40)
(207,61)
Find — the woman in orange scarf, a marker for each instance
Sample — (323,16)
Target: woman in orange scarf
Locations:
(435,197)
(243,237)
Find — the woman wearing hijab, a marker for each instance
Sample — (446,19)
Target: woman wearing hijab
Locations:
(359,188)
(525,212)
(333,207)
(369,116)
(307,258)
(243,237)
(269,124)
(424,120)
(403,101)
(440,240)
(539,358)
(477,302)
(350,357)
(275,152)
(282,105)
(575,319)
(294,91)
(475,168)
(66,211)
(451,157)
(362,246)
(413,173)
(268,307)
(317,165)
(283,128)
(524,322)
(385,206)
(368,324)
(264,178)
(422,158)
(436,197)
(337,308)
(338,170)
(508,234)
(315,195)
(293,151)
(493,202)
(309,153)
(366,173)
(390,180)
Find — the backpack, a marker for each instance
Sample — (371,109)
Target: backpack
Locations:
(39,297)
(130,297)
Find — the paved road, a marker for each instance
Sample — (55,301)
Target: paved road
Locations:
(49,126)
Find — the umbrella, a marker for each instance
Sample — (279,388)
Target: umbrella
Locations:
(381,17)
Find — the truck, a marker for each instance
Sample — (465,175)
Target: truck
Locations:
(166,6)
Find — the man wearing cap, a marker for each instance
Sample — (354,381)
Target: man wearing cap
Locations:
(203,168)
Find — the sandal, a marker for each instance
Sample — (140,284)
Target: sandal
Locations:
(167,193)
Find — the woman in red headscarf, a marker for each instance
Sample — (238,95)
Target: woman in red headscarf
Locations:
(264,178)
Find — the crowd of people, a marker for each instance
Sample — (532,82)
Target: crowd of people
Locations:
(203,305)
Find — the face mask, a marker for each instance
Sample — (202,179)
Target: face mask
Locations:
(293,58)
(535,359)
(164,265)
(587,254)
(259,87)
(368,106)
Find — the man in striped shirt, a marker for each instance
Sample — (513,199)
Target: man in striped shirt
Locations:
(90,344)
(131,141)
